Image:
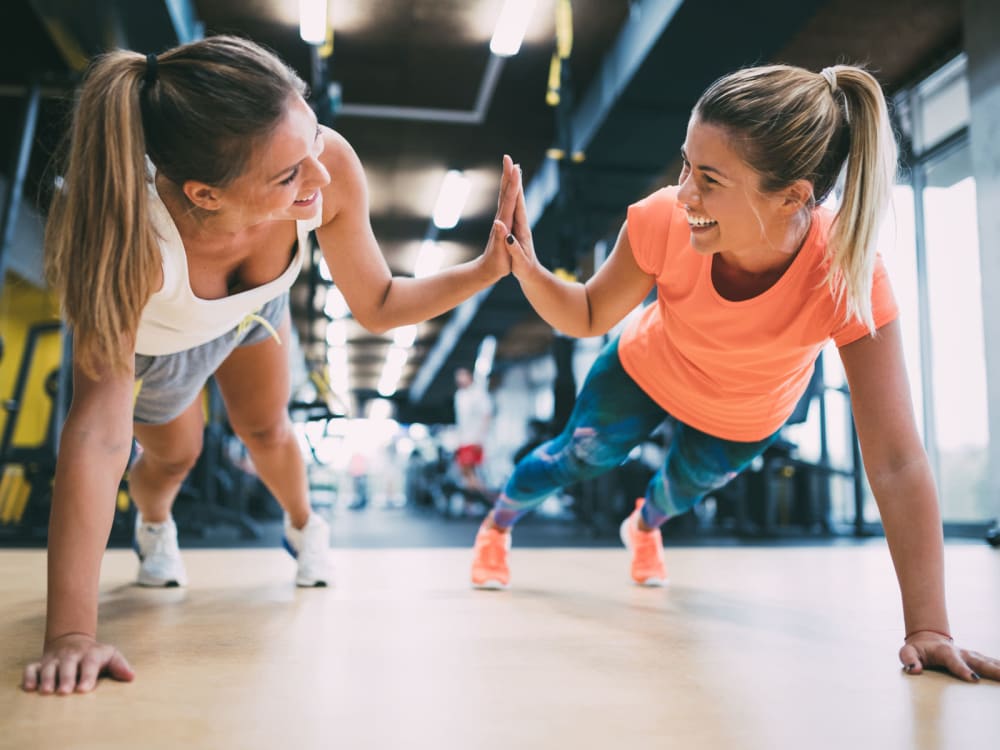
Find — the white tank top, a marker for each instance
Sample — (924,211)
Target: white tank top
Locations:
(174,319)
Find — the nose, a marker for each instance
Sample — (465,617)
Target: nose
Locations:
(317,175)
(687,193)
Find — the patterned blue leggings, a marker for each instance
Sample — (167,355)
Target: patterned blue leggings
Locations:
(611,416)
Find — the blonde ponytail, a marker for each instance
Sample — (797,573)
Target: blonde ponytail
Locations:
(868,182)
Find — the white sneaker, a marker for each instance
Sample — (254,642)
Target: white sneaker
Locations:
(310,546)
(160,561)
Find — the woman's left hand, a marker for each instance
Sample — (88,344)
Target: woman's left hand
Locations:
(925,649)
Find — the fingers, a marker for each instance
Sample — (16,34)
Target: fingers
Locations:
(47,677)
(521,213)
(77,669)
(506,167)
(510,186)
(90,668)
(119,668)
(967,665)
(983,666)
(68,668)
(30,680)
(911,660)
(952,661)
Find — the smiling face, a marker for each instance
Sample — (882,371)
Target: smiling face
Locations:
(286,174)
(720,192)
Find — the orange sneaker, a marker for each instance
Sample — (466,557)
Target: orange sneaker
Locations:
(489,562)
(648,567)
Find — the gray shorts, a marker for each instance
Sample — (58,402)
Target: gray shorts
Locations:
(167,384)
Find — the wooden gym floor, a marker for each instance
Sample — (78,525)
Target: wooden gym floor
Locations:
(748,648)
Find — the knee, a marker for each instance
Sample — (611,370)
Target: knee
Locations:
(268,435)
(588,448)
(176,466)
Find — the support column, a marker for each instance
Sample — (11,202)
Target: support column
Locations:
(980,20)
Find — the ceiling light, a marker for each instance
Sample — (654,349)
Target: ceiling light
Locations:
(484,359)
(312,21)
(451,199)
(324,270)
(395,358)
(404,336)
(336,305)
(429,259)
(511,25)
(336,332)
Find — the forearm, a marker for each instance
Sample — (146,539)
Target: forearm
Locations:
(562,304)
(86,481)
(406,301)
(908,505)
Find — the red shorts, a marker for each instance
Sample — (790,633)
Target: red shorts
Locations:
(469,455)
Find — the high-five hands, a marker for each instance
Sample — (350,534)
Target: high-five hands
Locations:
(519,242)
(496,257)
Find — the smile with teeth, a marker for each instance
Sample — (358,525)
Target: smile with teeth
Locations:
(700,221)
(306,200)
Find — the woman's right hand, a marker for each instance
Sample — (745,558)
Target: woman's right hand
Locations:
(72,663)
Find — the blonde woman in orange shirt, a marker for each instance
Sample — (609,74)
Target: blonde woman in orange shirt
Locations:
(753,278)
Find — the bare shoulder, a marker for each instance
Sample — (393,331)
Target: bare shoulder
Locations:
(347,187)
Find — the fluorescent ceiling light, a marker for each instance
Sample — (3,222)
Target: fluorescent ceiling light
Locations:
(429,259)
(404,336)
(451,199)
(484,360)
(511,25)
(312,21)
(336,332)
(336,305)
(324,270)
(395,358)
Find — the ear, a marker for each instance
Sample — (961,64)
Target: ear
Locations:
(202,195)
(796,196)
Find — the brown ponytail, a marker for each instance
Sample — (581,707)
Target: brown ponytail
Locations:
(102,255)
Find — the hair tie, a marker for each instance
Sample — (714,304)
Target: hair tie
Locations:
(830,76)
(151,70)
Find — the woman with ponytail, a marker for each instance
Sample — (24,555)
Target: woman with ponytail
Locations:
(192,182)
(753,278)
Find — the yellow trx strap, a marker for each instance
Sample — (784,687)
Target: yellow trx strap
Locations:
(564,45)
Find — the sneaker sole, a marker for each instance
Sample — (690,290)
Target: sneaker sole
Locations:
(310,584)
(489,586)
(160,583)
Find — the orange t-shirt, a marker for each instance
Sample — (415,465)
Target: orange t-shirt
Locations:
(732,369)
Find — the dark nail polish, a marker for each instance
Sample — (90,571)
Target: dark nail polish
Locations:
(510,239)
(910,667)
(975,676)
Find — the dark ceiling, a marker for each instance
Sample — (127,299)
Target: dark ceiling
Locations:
(636,69)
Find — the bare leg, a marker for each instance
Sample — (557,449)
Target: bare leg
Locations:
(169,451)
(255,385)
